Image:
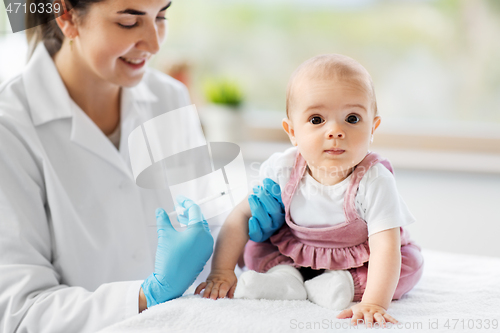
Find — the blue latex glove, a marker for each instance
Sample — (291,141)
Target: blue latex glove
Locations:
(180,256)
(268,211)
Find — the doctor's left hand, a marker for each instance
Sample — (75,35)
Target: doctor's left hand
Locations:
(268,211)
(180,256)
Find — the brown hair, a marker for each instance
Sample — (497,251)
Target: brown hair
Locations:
(328,66)
(45,27)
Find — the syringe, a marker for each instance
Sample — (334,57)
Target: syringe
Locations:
(180,211)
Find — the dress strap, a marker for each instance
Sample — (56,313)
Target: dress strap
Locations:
(299,167)
(359,171)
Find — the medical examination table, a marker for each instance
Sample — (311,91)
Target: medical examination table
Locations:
(456,293)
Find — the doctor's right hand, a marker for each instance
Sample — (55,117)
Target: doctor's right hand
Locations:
(268,211)
(180,256)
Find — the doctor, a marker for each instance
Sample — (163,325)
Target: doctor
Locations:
(77,252)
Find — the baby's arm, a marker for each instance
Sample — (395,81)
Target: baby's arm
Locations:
(384,267)
(229,247)
(383,276)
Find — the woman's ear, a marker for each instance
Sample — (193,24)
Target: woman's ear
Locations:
(288,127)
(66,21)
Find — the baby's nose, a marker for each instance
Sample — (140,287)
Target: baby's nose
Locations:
(336,133)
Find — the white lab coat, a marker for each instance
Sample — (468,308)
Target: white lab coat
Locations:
(77,236)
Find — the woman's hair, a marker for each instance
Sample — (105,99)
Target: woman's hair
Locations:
(45,27)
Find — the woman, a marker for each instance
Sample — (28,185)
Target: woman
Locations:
(75,245)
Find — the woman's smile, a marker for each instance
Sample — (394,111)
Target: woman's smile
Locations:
(133,63)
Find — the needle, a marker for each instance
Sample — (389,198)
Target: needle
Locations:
(180,210)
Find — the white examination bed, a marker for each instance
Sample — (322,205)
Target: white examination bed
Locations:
(456,293)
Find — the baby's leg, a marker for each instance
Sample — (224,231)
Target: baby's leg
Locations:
(282,282)
(332,289)
(412,263)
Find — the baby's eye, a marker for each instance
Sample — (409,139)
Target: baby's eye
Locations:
(352,119)
(316,120)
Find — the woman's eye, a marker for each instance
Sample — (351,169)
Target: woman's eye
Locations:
(130,26)
(126,26)
(352,119)
(316,120)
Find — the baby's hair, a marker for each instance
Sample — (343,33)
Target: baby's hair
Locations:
(331,66)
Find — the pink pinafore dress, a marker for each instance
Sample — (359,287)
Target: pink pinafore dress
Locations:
(341,246)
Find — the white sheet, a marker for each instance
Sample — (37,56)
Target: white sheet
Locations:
(462,291)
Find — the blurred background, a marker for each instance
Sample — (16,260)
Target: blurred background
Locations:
(435,65)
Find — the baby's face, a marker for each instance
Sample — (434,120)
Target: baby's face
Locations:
(331,122)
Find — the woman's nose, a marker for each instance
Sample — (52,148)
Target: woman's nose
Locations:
(151,40)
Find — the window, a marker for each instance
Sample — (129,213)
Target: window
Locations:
(434,63)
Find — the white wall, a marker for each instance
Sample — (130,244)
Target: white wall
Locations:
(13,52)
(456,212)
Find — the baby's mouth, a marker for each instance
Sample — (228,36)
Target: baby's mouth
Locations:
(335,151)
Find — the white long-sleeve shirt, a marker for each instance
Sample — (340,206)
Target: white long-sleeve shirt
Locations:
(77,235)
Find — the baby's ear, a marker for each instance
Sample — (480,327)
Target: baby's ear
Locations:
(376,123)
(288,127)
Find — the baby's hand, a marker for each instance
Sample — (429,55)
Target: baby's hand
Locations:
(219,284)
(368,312)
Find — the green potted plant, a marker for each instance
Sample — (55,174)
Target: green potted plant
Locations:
(222,117)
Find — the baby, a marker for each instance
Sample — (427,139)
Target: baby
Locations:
(342,206)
